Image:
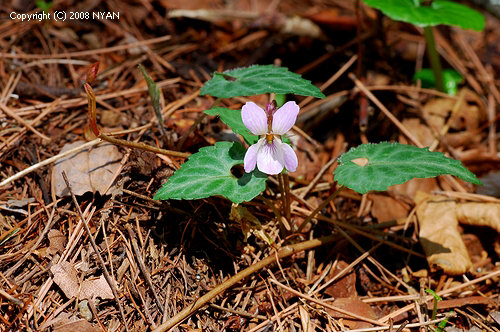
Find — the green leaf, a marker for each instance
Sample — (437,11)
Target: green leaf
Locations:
(378,166)
(280,100)
(208,173)
(434,294)
(232,118)
(451,79)
(439,12)
(257,80)
(154,93)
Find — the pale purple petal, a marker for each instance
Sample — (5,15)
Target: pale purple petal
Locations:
(284,118)
(288,156)
(250,159)
(254,118)
(268,159)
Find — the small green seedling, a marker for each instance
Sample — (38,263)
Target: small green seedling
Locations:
(437,298)
(429,13)
(451,79)
(43,5)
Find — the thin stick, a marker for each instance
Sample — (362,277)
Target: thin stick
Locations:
(318,176)
(442,294)
(143,268)
(111,282)
(48,161)
(324,304)
(332,79)
(87,53)
(16,117)
(11,298)
(286,188)
(384,110)
(283,252)
(383,328)
(319,208)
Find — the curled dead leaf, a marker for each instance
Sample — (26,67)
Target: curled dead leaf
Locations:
(439,234)
(479,214)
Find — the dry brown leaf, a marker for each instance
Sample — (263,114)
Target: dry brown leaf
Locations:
(479,214)
(355,306)
(80,325)
(387,208)
(57,241)
(345,286)
(66,277)
(410,188)
(96,288)
(422,132)
(439,234)
(87,170)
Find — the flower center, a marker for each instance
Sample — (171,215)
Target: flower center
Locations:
(269,138)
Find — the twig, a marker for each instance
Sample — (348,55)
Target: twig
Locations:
(324,304)
(384,110)
(319,208)
(16,117)
(143,268)
(110,281)
(283,252)
(332,79)
(442,294)
(48,161)
(11,298)
(405,324)
(87,53)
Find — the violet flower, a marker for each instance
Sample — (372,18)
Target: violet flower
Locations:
(270,154)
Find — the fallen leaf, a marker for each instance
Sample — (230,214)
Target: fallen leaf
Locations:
(454,303)
(387,208)
(87,170)
(479,214)
(95,288)
(345,286)
(80,325)
(57,241)
(355,306)
(422,132)
(66,277)
(439,234)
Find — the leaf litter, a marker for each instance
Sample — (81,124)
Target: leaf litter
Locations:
(447,242)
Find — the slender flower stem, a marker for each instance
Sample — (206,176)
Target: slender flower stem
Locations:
(434,58)
(286,187)
(93,125)
(320,207)
(283,194)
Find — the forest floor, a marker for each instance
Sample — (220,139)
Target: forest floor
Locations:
(111,258)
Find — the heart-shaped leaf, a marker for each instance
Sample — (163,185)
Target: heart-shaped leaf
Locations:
(438,12)
(378,166)
(257,80)
(232,118)
(208,173)
(451,79)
